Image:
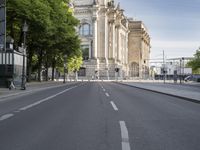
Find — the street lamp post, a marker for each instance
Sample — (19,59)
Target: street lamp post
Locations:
(181,68)
(183,62)
(180,71)
(164,73)
(65,64)
(25,30)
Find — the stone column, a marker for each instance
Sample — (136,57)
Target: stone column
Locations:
(117,42)
(101,35)
(111,40)
(106,36)
(107,39)
(95,38)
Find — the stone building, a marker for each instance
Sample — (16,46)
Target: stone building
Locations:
(139,49)
(104,32)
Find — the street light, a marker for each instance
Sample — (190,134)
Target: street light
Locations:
(164,73)
(25,30)
(181,67)
(65,63)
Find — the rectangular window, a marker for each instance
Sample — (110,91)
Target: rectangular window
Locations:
(84,30)
(85,51)
(82,72)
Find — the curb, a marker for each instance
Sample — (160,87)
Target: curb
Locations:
(184,98)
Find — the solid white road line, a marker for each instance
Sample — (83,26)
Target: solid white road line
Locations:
(6,116)
(46,99)
(114,106)
(104,90)
(124,135)
(27,92)
(107,94)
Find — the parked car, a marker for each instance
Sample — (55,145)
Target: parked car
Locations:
(195,78)
(188,78)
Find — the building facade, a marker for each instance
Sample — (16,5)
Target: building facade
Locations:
(104,33)
(139,49)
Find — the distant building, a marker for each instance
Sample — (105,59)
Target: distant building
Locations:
(139,49)
(106,34)
(175,66)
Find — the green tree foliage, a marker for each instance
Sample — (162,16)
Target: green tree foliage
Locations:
(74,63)
(195,63)
(51,31)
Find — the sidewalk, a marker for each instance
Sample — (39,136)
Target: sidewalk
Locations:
(31,87)
(187,91)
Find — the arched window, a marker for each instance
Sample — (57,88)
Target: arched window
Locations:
(84,29)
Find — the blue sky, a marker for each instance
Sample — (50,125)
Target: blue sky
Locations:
(174,25)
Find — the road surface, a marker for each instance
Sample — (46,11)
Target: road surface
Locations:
(98,116)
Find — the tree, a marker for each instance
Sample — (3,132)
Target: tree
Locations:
(195,63)
(51,32)
(74,63)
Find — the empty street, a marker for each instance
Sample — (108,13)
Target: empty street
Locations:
(98,116)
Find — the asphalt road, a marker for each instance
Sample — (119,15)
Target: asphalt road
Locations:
(98,116)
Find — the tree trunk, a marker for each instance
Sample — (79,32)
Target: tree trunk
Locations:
(46,70)
(47,74)
(29,66)
(40,65)
(53,70)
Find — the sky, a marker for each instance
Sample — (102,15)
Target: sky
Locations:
(173,25)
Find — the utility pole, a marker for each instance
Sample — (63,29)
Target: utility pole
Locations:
(180,71)
(183,62)
(23,83)
(164,66)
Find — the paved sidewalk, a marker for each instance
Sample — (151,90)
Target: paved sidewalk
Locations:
(185,91)
(31,87)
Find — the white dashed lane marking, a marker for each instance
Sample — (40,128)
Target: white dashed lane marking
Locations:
(114,106)
(124,135)
(107,95)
